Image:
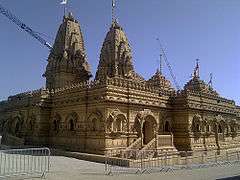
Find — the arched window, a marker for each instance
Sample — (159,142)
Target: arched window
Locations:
(56,122)
(17,127)
(55,125)
(71,121)
(167,127)
(197,123)
(71,125)
(110,125)
(220,130)
(198,128)
(94,124)
(31,125)
(208,128)
(119,125)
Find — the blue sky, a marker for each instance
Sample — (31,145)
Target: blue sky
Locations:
(188,29)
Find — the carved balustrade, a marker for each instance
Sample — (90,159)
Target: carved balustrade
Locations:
(164,140)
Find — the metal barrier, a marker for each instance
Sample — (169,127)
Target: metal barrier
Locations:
(33,162)
(135,161)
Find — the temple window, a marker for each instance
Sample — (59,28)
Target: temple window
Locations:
(197,128)
(71,125)
(220,130)
(56,122)
(167,127)
(55,125)
(208,128)
(17,128)
(71,121)
(95,124)
(118,125)
(31,125)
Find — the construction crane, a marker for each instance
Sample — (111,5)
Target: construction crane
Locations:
(168,65)
(24,27)
(210,83)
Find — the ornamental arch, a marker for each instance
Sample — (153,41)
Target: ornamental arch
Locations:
(56,124)
(149,129)
(165,124)
(146,126)
(71,121)
(15,125)
(95,121)
(197,123)
(116,121)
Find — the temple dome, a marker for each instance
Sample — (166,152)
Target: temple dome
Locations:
(158,80)
(199,86)
(116,56)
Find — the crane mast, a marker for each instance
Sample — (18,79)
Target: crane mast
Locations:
(168,65)
(24,27)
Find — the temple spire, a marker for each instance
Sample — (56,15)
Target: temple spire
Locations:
(67,62)
(64,3)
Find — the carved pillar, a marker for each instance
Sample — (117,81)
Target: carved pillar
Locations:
(121,126)
(156,136)
(141,130)
(112,126)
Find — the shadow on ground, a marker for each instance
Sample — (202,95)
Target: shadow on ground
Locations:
(230,178)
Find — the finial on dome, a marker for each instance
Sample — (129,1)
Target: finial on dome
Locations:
(64,3)
(113,11)
(196,73)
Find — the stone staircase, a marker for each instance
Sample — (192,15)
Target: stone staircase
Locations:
(157,146)
(11,140)
(149,150)
(136,145)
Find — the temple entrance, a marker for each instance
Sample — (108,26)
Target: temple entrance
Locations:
(148,130)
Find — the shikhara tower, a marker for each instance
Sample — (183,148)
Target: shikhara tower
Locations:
(67,62)
(116,57)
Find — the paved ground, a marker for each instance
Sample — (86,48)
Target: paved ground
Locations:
(63,168)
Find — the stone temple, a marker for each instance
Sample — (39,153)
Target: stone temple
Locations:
(117,109)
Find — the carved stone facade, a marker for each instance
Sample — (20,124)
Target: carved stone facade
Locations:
(118,109)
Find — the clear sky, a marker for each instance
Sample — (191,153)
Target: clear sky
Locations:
(189,29)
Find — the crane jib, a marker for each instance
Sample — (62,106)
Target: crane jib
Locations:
(23,26)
